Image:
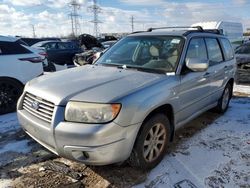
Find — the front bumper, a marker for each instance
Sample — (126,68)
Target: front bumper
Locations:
(93,144)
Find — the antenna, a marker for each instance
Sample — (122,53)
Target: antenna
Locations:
(96,10)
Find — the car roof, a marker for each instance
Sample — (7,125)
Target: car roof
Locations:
(8,38)
(44,42)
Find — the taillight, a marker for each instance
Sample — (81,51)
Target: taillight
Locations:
(43,54)
(32,59)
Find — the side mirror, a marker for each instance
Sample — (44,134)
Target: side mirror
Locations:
(197,65)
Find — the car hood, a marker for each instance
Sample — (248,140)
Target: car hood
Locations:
(90,83)
(242,58)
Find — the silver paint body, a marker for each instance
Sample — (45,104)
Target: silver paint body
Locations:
(139,93)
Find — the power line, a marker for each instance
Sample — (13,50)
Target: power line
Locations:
(96,10)
(74,17)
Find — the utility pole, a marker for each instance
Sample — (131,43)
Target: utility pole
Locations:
(96,10)
(132,23)
(74,16)
(33,30)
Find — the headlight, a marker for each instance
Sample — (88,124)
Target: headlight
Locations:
(91,112)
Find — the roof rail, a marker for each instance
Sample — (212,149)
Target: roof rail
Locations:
(216,31)
(138,32)
(199,28)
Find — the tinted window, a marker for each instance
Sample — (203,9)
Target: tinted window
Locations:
(62,46)
(228,51)
(197,49)
(214,51)
(50,46)
(8,48)
(245,49)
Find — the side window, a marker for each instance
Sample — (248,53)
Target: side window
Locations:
(214,51)
(197,49)
(50,46)
(9,48)
(62,46)
(227,48)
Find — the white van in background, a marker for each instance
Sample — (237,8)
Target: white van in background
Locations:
(232,30)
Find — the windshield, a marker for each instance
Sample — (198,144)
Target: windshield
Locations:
(149,52)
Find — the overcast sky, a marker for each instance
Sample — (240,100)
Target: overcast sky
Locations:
(51,17)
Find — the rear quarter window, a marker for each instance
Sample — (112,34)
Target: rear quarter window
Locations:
(227,48)
(11,48)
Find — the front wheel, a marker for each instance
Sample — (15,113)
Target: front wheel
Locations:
(224,100)
(10,91)
(151,143)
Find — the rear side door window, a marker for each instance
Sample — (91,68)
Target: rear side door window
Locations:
(214,51)
(227,48)
(11,48)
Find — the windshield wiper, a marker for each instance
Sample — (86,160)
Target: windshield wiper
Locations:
(143,69)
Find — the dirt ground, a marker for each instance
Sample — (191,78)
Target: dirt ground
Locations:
(37,167)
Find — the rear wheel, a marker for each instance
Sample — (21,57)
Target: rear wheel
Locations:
(224,100)
(151,143)
(10,91)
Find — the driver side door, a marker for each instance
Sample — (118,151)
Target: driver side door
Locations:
(194,89)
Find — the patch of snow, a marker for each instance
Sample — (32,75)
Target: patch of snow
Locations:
(242,89)
(216,156)
(5,183)
(9,122)
(17,146)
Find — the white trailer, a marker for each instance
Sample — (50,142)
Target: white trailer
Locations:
(233,30)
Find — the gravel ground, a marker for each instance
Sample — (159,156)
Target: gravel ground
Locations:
(211,151)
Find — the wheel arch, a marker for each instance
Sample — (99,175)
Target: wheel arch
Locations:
(12,79)
(168,110)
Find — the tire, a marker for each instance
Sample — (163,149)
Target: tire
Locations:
(50,67)
(10,91)
(223,102)
(144,154)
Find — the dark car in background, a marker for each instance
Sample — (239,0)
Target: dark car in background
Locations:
(31,41)
(58,52)
(243,63)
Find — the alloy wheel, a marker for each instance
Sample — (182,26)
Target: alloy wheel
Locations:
(154,142)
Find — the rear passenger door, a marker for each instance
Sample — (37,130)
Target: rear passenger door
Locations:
(216,67)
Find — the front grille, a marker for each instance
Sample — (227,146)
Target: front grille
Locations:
(38,107)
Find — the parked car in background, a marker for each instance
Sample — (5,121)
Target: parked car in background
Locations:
(91,46)
(59,53)
(243,63)
(40,52)
(18,65)
(107,38)
(128,105)
(108,44)
(31,41)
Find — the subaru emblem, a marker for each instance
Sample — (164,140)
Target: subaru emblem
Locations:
(35,105)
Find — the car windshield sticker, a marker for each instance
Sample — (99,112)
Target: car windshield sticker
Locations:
(175,41)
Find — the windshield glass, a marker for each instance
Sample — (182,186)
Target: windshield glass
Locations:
(149,52)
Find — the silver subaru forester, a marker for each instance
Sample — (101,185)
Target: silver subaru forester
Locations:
(128,105)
